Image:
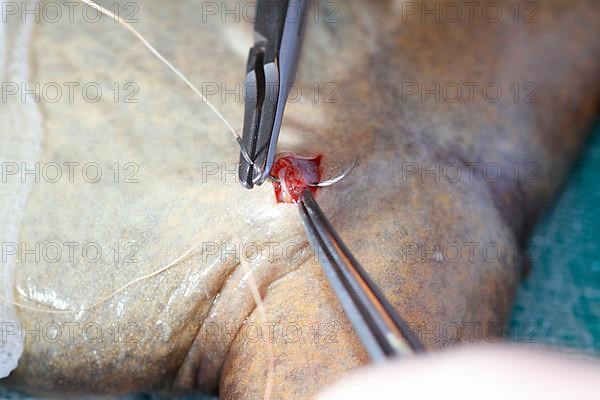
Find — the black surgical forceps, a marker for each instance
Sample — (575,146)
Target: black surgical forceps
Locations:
(383,333)
(270,73)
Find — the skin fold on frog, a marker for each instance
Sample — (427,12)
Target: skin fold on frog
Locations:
(465,129)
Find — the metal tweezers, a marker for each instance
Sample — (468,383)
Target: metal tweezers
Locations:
(383,333)
(270,74)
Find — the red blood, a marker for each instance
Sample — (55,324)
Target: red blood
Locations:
(294,174)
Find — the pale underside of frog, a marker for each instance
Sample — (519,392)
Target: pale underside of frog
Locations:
(363,78)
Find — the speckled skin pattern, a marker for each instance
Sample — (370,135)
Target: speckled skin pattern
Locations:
(372,52)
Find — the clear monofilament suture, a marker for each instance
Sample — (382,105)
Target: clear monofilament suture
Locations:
(106,298)
(174,69)
(251,282)
(262,315)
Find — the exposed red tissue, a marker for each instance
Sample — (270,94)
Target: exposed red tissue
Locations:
(294,174)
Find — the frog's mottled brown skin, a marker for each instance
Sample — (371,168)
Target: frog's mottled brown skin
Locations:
(381,210)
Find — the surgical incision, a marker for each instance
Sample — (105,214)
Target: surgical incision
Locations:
(293,174)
